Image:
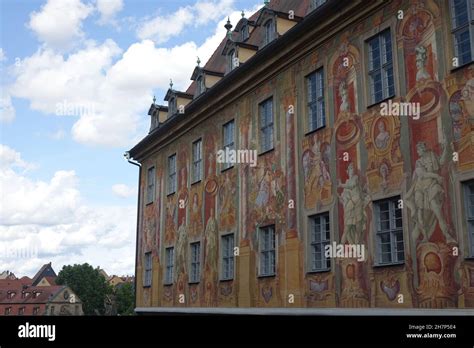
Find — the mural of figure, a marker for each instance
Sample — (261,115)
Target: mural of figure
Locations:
(196,215)
(344,93)
(353,202)
(211,243)
(383,137)
(263,195)
(421,58)
(426,195)
(227,196)
(468,97)
(316,168)
(181,250)
(384,171)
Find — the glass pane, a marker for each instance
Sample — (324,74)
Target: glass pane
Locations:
(460,13)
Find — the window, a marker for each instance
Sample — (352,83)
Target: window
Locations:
(169,255)
(381,79)
(195,263)
(51,310)
(233,60)
(316,110)
(76,310)
(150,185)
(462,18)
(269,31)
(389,232)
(36,310)
(197,159)
(148,266)
(320,237)
(267,251)
(266,125)
(8,310)
(469,203)
(21,311)
(201,86)
(172,106)
(244,33)
(172,174)
(316,3)
(227,257)
(228,142)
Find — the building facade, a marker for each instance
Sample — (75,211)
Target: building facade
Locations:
(361,116)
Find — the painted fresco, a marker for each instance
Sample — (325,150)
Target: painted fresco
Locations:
(361,156)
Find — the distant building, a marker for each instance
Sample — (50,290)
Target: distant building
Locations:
(38,296)
(7,275)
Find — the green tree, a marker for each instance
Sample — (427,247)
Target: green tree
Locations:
(124,297)
(88,284)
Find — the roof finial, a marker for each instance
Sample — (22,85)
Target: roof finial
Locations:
(243,14)
(171,83)
(198,61)
(266,2)
(228,26)
(154,100)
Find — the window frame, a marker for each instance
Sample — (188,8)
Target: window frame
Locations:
(172,176)
(169,266)
(322,242)
(197,162)
(454,30)
(468,218)
(263,251)
(319,103)
(383,69)
(270,30)
(150,185)
(266,127)
(195,262)
(227,257)
(228,144)
(147,269)
(393,203)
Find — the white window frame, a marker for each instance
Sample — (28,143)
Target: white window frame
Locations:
(267,251)
(172,176)
(316,105)
(266,125)
(197,160)
(195,262)
(386,67)
(392,231)
(323,221)
(469,26)
(150,185)
(147,270)
(227,256)
(169,270)
(228,140)
(469,213)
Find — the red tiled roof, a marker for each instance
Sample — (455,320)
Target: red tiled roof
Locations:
(46,293)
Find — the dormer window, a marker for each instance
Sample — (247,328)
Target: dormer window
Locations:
(11,294)
(244,33)
(201,86)
(172,106)
(316,3)
(269,31)
(232,59)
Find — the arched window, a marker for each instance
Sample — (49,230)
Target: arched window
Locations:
(245,32)
(201,87)
(172,106)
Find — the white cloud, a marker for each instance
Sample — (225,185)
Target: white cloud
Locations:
(7,111)
(2,55)
(50,219)
(108,9)
(59,22)
(58,135)
(161,28)
(123,190)
(119,86)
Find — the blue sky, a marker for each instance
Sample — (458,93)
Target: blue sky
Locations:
(67,194)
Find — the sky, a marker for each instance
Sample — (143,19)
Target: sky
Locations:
(77,80)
